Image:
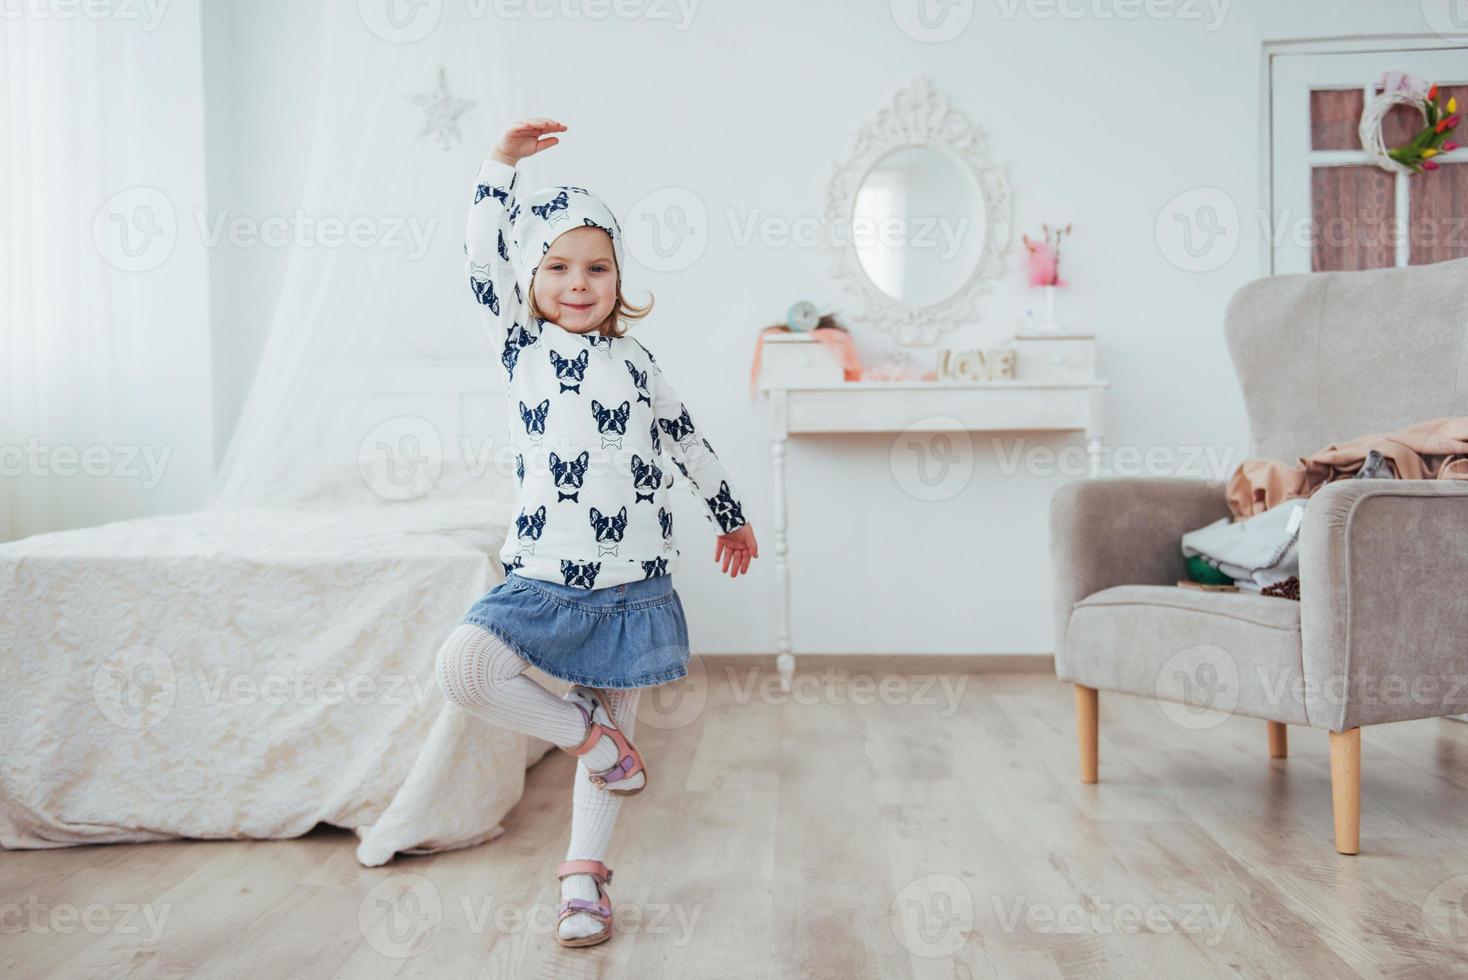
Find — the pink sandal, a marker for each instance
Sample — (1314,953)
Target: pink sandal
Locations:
(629,761)
(600,909)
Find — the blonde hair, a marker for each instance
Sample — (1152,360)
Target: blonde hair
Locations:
(618,320)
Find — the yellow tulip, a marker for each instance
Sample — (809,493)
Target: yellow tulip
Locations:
(1452,105)
(1429,152)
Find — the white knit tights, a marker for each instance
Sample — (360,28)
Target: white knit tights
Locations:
(481,674)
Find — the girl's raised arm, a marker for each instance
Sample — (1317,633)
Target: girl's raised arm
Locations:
(491,264)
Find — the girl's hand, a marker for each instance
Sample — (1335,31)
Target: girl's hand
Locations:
(736,549)
(524,139)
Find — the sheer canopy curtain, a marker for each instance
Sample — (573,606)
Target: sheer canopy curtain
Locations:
(104,370)
(375,307)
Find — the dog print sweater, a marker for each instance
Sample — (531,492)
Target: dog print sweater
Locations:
(598,431)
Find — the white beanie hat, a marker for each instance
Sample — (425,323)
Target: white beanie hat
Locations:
(542,217)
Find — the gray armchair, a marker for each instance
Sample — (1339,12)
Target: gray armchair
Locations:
(1381,629)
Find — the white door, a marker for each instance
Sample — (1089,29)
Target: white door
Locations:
(1332,209)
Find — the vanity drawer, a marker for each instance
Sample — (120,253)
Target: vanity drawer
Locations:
(796,361)
(1059,358)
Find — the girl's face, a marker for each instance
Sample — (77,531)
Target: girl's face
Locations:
(576,285)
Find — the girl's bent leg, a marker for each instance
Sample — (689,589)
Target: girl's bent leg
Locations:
(593,814)
(482,675)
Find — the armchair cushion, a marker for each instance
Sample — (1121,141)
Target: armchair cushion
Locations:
(1123,531)
(1233,652)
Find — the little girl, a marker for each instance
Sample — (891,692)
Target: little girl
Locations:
(588,593)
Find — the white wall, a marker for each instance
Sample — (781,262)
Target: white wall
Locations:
(1101,119)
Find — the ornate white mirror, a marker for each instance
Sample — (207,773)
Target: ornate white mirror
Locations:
(921,217)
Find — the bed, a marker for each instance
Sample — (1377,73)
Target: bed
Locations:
(251,672)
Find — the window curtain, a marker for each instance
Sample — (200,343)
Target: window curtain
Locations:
(104,334)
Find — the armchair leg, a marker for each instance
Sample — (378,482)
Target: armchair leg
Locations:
(1279,740)
(1087,725)
(1345,789)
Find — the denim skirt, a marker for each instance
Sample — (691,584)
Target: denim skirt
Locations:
(621,636)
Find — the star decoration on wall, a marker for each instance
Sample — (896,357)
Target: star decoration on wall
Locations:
(441,112)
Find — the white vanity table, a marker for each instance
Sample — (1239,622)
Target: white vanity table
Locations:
(893,406)
(925,219)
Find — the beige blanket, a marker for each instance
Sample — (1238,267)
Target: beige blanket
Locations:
(1435,449)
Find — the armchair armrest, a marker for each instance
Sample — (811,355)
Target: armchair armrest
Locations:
(1384,601)
(1127,531)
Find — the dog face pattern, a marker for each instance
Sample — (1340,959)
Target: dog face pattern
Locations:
(725,508)
(483,286)
(529,527)
(639,378)
(580,575)
(569,475)
(680,430)
(611,422)
(534,418)
(570,371)
(646,477)
(569,488)
(548,211)
(609,529)
(516,341)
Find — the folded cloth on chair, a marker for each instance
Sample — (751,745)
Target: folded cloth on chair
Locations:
(1255,552)
(1433,450)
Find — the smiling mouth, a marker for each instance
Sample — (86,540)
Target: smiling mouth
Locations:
(579,306)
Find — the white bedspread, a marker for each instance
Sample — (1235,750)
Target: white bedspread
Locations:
(248,673)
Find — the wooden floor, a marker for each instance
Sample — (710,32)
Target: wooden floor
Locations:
(843,840)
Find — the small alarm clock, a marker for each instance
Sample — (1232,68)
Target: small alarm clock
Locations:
(802,317)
